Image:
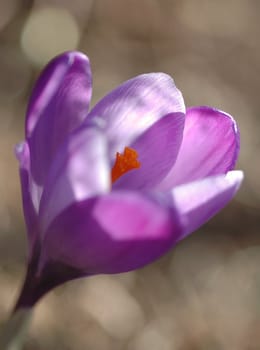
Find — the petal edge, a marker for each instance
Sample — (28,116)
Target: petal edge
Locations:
(198,201)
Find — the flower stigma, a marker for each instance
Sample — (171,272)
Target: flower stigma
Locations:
(124,162)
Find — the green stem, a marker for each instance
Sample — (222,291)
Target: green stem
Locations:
(13,332)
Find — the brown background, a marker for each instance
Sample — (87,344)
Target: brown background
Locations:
(205,294)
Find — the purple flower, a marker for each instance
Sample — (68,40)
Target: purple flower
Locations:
(94,214)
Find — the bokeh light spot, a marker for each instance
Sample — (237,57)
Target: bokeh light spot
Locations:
(47,32)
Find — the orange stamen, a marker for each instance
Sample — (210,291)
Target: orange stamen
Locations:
(124,162)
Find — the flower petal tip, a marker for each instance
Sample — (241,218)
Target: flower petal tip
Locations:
(76,56)
(21,152)
(235,177)
(70,57)
(19,149)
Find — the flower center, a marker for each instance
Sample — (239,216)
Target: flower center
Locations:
(124,162)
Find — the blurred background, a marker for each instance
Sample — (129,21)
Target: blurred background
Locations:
(205,295)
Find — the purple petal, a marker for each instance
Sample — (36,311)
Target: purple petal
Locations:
(23,155)
(134,106)
(157,150)
(115,233)
(58,104)
(210,146)
(80,170)
(197,202)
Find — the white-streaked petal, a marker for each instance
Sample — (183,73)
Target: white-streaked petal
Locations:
(80,170)
(196,202)
(136,105)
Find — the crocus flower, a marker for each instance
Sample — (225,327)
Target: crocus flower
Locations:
(113,188)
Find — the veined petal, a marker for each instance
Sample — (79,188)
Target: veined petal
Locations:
(118,232)
(157,150)
(210,146)
(79,170)
(134,106)
(58,105)
(198,201)
(29,208)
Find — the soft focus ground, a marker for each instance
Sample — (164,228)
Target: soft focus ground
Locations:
(205,295)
